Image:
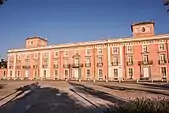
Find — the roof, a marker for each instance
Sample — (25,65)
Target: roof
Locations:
(36,37)
(142,23)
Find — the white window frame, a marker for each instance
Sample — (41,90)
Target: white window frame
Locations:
(87,73)
(88,52)
(35,55)
(131,49)
(161,71)
(145,58)
(88,60)
(55,56)
(100,51)
(162,57)
(159,45)
(117,49)
(99,73)
(66,53)
(143,48)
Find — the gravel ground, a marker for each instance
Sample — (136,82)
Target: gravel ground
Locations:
(71,97)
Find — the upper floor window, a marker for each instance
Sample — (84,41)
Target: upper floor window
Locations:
(100,51)
(115,60)
(45,55)
(27,56)
(164,71)
(100,59)
(88,73)
(66,61)
(130,59)
(87,51)
(56,54)
(18,57)
(88,60)
(76,61)
(145,48)
(35,55)
(162,57)
(115,50)
(65,53)
(145,58)
(55,61)
(161,47)
(129,49)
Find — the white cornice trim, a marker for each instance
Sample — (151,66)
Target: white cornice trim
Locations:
(91,43)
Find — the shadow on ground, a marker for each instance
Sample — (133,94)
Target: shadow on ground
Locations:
(123,88)
(36,99)
(96,93)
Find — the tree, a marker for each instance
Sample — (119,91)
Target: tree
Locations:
(166,3)
(2,2)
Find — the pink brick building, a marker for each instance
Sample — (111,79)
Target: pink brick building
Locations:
(143,56)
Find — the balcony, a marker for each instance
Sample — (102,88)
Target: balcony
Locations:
(162,62)
(55,66)
(100,64)
(87,64)
(130,63)
(77,65)
(149,62)
(26,67)
(114,63)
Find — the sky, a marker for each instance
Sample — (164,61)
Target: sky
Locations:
(68,21)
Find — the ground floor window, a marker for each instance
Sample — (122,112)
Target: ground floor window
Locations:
(115,73)
(18,74)
(66,73)
(100,73)
(56,73)
(163,71)
(44,73)
(4,73)
(130,72)
(88,73)
(11,73)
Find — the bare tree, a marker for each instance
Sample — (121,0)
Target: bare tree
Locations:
(2,2)
(166,3)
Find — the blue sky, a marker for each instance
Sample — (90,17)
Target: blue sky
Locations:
(65,21)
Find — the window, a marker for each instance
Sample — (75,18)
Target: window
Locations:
(55,61)
(35,73)
(100,73)
(115,73)
(11,73)
(66,53)
(129,49)
(130,59)
(145,58)
(88,60)
(66,61)
(145,48)
(143,29)
(115,50)
(18,57)
(115,60)
(56,54)
(44,73)
(56,73)
(100,51)
(18,73)
(87,52)
(66,73)
(45,55)
(4,73)
(31,42)
(162,57)
(161,47)
(100,59)
(35,55)
(88,73)
(163,71)
(130,71)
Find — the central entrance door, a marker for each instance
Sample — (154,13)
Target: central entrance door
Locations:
(146,73)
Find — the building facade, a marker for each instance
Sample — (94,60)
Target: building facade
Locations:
(141,57)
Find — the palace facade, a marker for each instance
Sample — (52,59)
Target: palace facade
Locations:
(142,56)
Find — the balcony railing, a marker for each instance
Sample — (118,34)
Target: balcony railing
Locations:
(100,64)
(26,67)
(149,62)
(77,65)
(87,64)
(162,62)
(114,63)
(66,65)
(130,63)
